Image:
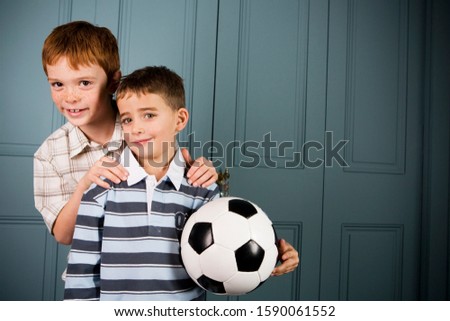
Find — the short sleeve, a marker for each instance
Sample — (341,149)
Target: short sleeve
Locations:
(51,192)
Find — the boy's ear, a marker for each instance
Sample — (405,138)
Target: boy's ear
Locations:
(182,118)
(114,82)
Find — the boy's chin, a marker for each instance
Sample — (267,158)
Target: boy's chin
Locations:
(153,157)
(79,120)
(140,151)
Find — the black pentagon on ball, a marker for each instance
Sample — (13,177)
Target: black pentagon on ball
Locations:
(242,207)
(211,285)
(249,256)
(201,236)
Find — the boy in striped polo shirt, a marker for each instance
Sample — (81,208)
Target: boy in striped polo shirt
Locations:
(126,240)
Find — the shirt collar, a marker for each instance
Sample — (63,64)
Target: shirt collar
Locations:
(78,140)
(175,172)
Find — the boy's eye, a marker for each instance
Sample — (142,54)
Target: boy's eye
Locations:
(85,83)
(126,121)
(56,84)
(148,116)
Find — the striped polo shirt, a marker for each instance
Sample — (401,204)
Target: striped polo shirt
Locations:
(126,240)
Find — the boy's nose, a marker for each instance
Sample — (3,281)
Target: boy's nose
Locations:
(137,128)
(72,96)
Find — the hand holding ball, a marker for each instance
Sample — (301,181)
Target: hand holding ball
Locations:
(229,246)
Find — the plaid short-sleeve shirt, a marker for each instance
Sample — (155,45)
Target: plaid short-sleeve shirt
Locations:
(61,161)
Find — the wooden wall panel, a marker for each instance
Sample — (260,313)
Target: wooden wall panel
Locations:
(376,86)
(371,262)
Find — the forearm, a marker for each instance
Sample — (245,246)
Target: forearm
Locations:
(64,225)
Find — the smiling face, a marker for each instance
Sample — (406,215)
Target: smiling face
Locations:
(150,127)
(81,95)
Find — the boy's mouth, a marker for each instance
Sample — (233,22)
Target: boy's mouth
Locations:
(142,141)
(74,112)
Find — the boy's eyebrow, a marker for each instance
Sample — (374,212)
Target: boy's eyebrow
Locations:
(141,109)
(77,79)
(147,108)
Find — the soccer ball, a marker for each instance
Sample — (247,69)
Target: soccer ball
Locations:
(228,246)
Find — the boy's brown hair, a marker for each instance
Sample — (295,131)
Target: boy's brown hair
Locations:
(154,80)
(82,43)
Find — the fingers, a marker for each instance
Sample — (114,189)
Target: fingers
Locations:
(92,179)
(284,268)
(289,258)
(282,246)
(202,173)
(105,168)
(111,169)
(186,156)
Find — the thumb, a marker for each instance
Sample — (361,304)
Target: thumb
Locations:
(281,248)
(186,156)
(281,243)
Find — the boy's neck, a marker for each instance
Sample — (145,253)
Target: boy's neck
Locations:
(101,131)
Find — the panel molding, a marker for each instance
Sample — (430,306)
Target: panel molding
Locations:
(190,26)
(188,51)
(26,149)
(299,117)
(296,230)
(48,248)
(124,31)
(355,165)
(350,230)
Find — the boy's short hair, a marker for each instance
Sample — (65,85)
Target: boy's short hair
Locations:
(82,43)
(158,80)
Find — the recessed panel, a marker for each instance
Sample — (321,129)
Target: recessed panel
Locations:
(371,262)
(16,194)
(160,33)
(19,279)
(26,110)
(376,85)
(271,95)
(153,33)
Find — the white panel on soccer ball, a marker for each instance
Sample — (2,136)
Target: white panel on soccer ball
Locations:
(261,230)
(218,263)
(231,230)
(211,211)
(242,282)
(191,261)
(269,262)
